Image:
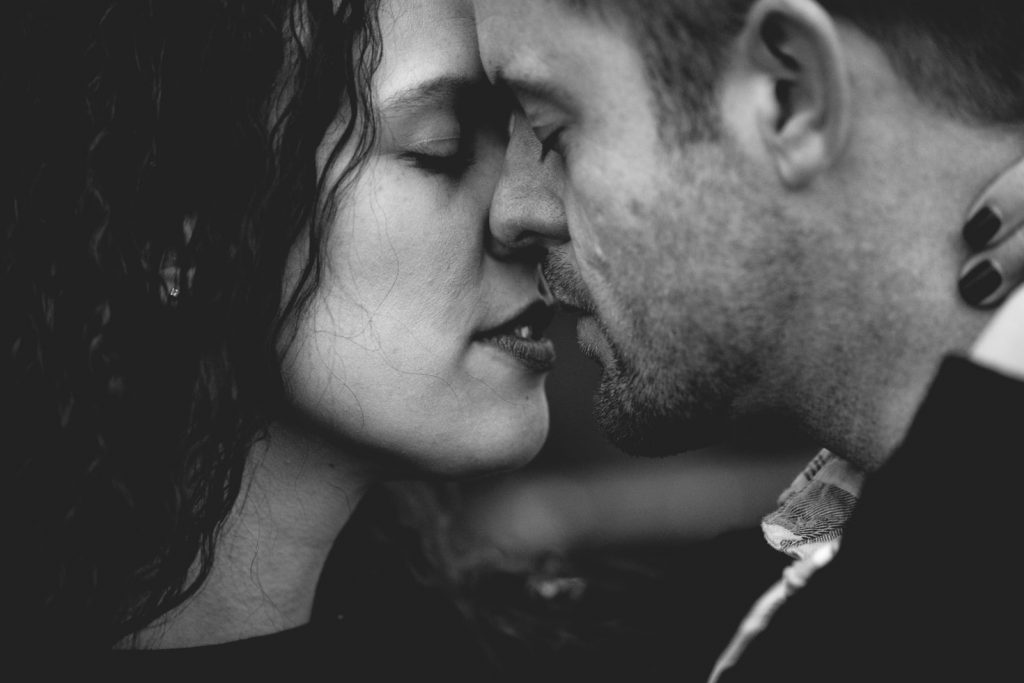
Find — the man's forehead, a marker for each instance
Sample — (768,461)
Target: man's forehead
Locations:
(532,37)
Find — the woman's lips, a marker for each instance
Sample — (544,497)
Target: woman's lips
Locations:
(522,337)
(537,355)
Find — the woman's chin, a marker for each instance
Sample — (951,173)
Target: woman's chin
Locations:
(490,464)
(514,458)
(495,446)
(478,432)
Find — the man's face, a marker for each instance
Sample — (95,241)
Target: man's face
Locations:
(685,293)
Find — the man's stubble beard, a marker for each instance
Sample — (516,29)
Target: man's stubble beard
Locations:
(653,407)
(684,367)
(652,400)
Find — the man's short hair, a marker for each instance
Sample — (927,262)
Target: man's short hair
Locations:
(964,58)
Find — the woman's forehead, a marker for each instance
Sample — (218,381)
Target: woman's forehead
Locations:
(424,42)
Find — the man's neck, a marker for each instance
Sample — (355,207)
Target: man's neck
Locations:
(889,324)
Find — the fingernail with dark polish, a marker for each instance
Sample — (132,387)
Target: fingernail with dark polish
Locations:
(980,283)
(982,227)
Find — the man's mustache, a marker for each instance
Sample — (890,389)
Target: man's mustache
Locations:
(564,281)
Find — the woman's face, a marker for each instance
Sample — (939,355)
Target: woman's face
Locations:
(422,344)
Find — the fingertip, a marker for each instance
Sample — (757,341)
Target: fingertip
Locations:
(981,228)
(982,283)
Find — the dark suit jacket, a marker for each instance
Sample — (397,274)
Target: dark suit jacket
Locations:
(926,586)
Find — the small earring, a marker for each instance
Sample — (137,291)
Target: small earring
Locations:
(170,273)
(174,279)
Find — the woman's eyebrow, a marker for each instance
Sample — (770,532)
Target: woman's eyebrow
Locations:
(440,91)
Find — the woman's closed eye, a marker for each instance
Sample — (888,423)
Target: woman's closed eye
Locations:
(450,156)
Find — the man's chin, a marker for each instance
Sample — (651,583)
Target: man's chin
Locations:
(649,428)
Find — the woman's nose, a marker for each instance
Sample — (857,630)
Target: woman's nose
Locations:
(527,214)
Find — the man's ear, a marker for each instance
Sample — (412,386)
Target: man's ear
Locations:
(801,103)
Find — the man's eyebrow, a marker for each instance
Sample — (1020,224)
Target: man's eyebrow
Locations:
(530,88)
(435,92)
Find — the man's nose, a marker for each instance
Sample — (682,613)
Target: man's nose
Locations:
(527,213)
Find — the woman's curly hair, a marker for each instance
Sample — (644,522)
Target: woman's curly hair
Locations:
(143,134)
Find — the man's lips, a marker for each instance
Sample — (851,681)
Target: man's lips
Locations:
(591,339)
(574,307)
(571,298)
(565,283)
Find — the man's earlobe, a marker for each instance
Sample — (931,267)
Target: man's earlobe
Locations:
(803,115)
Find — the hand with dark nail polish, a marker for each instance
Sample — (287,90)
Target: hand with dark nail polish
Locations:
(995,265)
(981,283)
(980,230)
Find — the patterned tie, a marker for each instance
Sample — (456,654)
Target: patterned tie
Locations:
(807,526)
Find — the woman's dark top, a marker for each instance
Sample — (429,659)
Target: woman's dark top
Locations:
(373,620)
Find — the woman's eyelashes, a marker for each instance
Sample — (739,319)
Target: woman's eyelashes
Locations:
(449,139)
(447,156)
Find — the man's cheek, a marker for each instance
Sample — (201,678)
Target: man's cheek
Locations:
(587,227)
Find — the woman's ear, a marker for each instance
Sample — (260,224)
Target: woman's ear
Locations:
(800,102)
